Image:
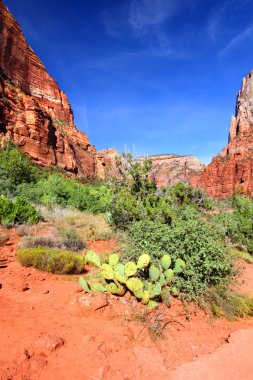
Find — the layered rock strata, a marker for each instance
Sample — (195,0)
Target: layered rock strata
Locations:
(34,112)
(232,170)
(168,169)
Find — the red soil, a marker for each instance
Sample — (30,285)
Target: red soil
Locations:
(50,329)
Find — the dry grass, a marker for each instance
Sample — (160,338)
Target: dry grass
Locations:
(90,226)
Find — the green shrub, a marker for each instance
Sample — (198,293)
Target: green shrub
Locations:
(17,212)
(135,197)
(237,223)
(192,240)
(57,190)
(15,168)
(229,304)
(51,260)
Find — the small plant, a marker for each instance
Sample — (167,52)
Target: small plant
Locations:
(41,241)
(3,239)
(17,212)
(71,240)
(229,304)
(6,101)
(146,281)
(51,260)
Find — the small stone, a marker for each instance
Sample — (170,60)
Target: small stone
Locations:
(45,291)
(24,288)
(95,301)
(49,342)
(37,364)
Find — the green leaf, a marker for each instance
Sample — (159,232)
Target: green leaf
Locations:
(83,283)
(92,258)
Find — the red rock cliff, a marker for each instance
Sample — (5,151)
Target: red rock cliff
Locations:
(232,170)
(168,169)
(34,112)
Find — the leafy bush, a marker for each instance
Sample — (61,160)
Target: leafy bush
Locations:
(57,190)
(51,260)
(237,223)
(15,168)
(17,212)
(135,197)
(192,240)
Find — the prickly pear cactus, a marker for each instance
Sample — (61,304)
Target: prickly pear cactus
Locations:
(136,286)
(179,266)
(113,259)
(83,283)
(169,275)
(107,272)
(154,273)
(130,269)
(143,261)
(166,262)
(97,287)
(92,258)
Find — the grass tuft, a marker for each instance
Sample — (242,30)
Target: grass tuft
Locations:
(51,260)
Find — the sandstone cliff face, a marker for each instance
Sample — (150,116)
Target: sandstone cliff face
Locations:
(105,162)
(168,169)
(34,112)
(232,170)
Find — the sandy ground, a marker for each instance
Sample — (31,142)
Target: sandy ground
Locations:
(50,329)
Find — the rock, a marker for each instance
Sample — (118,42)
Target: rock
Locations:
(46,291)
(35,113)
(151,362)
(49,342)
(168,169)
(24,288)
(38,364)
(232,170)
(105,161)
(95,301)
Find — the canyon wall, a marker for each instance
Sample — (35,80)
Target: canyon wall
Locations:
(168,169)
(232,170)
(34,112)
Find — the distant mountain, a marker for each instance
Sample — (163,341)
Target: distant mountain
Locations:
(232,170)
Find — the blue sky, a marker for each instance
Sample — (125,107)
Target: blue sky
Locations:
(161,75)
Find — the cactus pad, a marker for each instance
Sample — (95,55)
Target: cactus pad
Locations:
(83,283)
(107,272)
(130,269)
(92,258)
(166,262)
(143,261)
(96,287)
(154,273)
(113,259)
(136,286)
(179,266)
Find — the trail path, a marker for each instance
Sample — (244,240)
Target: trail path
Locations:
(50,330)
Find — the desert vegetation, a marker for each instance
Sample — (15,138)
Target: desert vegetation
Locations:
(172,241)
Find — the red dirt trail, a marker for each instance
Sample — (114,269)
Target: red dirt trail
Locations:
(52,330)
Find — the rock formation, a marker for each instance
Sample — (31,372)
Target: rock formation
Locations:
(232,170)
(168,169)
(34,112)
(105,161)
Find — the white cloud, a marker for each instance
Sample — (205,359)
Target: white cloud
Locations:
(236,41)
(146,13)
